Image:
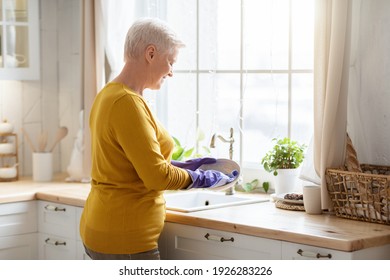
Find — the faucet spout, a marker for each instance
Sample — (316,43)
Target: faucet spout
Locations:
(220,137)
(230,191)
(212,142)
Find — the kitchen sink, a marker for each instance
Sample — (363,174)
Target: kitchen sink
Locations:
(191,201)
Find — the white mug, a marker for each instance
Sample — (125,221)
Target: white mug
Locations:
(312,199)
(12,61)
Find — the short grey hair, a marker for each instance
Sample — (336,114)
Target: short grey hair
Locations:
(147,31)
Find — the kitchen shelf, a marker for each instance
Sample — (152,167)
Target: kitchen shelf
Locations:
(10,159)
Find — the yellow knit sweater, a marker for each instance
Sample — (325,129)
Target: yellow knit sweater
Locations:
(125,210)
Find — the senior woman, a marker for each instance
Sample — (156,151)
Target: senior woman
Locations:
(131,153)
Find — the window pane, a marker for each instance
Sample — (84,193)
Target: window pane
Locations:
(266,34)
(1,46)
(219,99)
(302,34)
(181,15)
(17,46)
(302,116)
(265,113)
(15,10)
(181,108)
(219,34)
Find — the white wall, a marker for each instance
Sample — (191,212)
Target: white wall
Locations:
(54,100)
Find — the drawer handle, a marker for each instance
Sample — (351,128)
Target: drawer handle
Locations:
(218,238)
(313,255)
(54,208)
(55,242)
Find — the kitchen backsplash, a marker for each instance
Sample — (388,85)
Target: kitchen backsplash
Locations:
(55,99)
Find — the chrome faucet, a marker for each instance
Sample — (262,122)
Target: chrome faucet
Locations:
(230,141)
(231,190)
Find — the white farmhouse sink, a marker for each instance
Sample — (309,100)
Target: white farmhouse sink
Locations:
(191,201)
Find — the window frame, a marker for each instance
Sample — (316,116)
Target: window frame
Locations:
(242,72)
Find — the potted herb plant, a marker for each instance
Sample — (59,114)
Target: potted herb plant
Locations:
(283,160)
(181,153)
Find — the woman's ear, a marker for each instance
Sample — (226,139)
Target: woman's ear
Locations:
(150,52)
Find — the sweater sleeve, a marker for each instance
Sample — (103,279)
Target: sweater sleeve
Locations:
(140,137)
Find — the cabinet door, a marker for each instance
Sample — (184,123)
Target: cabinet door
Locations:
(19,247)
(57,219)
(18,218)
(19,40)
(188,242)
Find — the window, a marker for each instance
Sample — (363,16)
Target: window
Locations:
(248,65)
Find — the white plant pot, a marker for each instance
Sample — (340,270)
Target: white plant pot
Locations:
(286,180)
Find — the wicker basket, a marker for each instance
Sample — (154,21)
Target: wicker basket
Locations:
(363,196)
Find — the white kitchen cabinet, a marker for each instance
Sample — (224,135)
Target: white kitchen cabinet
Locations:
(182,242)
(188,242)
(295,251)
(58,226)
(19,40)
(80,252)
(18,231)
(162,243)
(19,247)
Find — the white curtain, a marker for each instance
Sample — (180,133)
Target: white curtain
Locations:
(369,84)
(93,59)
(105,24)
(115,19)
(331,71)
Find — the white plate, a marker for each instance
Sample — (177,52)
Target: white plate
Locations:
(291,201)
(225,166)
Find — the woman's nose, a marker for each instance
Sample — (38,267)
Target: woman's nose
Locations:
(170,74)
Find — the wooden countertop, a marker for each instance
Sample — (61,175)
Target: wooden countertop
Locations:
(25,189)
(260,219)
(265,220)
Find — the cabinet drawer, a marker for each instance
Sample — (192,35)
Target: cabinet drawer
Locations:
(188,242)
(57,219)
(295,251)
(18,218)
(54,247)
(19,247)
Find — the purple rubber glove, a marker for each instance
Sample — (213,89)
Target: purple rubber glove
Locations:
(193,164)
(210,178)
